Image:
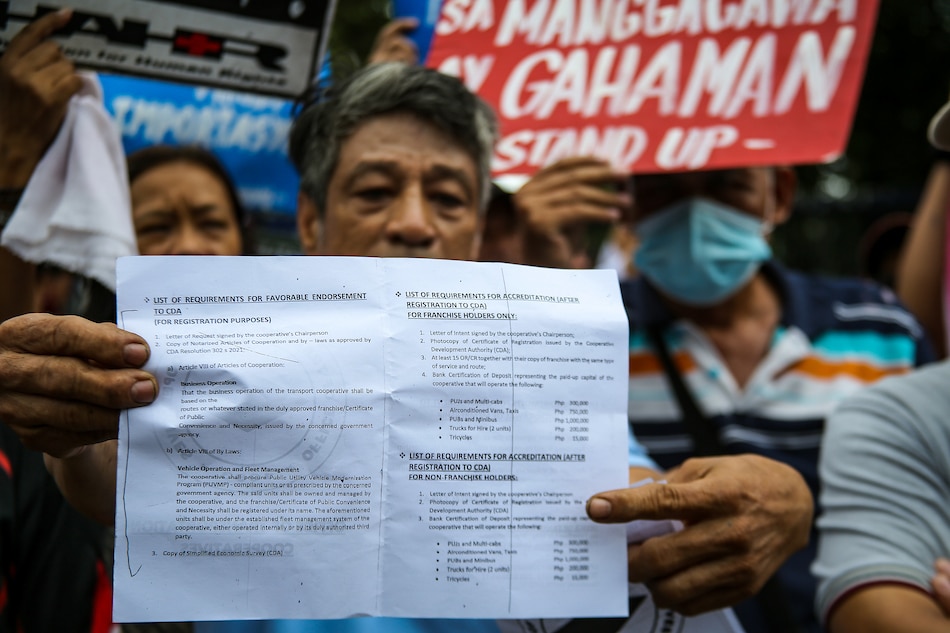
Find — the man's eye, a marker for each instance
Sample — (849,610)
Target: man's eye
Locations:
(447,200)
(732,183)
(153,229)
(214,225)
(373,194)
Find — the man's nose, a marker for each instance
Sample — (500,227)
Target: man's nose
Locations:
(411,221)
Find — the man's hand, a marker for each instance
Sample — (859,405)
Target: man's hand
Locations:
(393,44)
(64,379)
(744,515)
(941,584)
(36,83)
(560,201)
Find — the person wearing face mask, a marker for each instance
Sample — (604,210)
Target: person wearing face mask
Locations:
(731,353)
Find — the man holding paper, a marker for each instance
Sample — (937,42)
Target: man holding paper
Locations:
(64,380)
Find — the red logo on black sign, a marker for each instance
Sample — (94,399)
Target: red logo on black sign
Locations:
(197,44)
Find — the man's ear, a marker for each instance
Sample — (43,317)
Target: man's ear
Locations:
(786,182)
(309,224)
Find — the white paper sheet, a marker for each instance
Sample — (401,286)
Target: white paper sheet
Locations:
(356,436)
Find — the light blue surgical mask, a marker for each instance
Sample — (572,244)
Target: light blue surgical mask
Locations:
(700,252)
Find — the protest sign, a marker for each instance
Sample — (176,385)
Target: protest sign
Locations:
(427,13)
(661,85)
(247,132)
(263,46)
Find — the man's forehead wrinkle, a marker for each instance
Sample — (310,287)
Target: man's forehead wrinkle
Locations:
(364,167)
(393,168)
(153,214)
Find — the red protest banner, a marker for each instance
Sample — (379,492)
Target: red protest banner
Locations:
(661,85)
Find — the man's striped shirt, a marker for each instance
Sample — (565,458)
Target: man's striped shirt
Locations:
(835,336)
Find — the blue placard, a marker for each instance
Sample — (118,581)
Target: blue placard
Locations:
(427,12)
(247,132)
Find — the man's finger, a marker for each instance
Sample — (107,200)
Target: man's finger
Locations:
(403,51)
(53,85)
(712,541)
(599,196)
(57,442)
(706,598)
(73,379)
(49,335)
(555,205)
(67,417)
(573,163)
(37,31)
(595,173)
(40,389)
(400,25)
(685,502)
(560,216)
(578,192)
(65,82)
(39,57)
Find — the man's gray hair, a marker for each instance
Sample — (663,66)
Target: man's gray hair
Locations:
(320,129)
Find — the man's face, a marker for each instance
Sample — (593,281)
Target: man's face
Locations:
(401,188)
(757,191)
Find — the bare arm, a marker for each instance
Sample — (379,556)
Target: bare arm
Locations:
(888,608)
(920,279)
